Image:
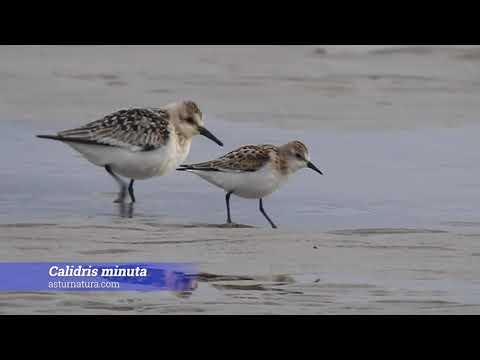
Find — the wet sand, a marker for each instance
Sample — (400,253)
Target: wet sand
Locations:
(257,271)
(393,227)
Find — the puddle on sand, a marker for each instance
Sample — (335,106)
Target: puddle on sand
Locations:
(57,184)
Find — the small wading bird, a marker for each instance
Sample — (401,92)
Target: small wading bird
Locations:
(138,143)
(254,171)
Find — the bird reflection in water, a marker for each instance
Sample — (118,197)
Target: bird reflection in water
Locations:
(125,210)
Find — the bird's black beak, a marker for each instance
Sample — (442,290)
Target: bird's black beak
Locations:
(314,168)
(209,135)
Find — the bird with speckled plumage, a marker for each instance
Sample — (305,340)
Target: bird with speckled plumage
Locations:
(254,171)
(138,143)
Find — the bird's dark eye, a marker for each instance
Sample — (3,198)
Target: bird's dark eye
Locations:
(298,156)
(190,120)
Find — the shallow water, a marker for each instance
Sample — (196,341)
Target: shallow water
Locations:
(379,233)
(384,179)
(392,227)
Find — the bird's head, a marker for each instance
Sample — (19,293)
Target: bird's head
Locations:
(296,157)
(188,120)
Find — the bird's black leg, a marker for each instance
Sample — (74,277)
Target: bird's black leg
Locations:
(123,187)
(227,199)
(130,190)
(265,214)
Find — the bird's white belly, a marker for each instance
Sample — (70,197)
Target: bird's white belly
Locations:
(144,165)
(133,165)
(250,185)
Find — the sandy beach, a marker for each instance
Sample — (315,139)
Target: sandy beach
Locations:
(392,228)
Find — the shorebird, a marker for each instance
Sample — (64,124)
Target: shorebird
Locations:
(138,143)
(254,171)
